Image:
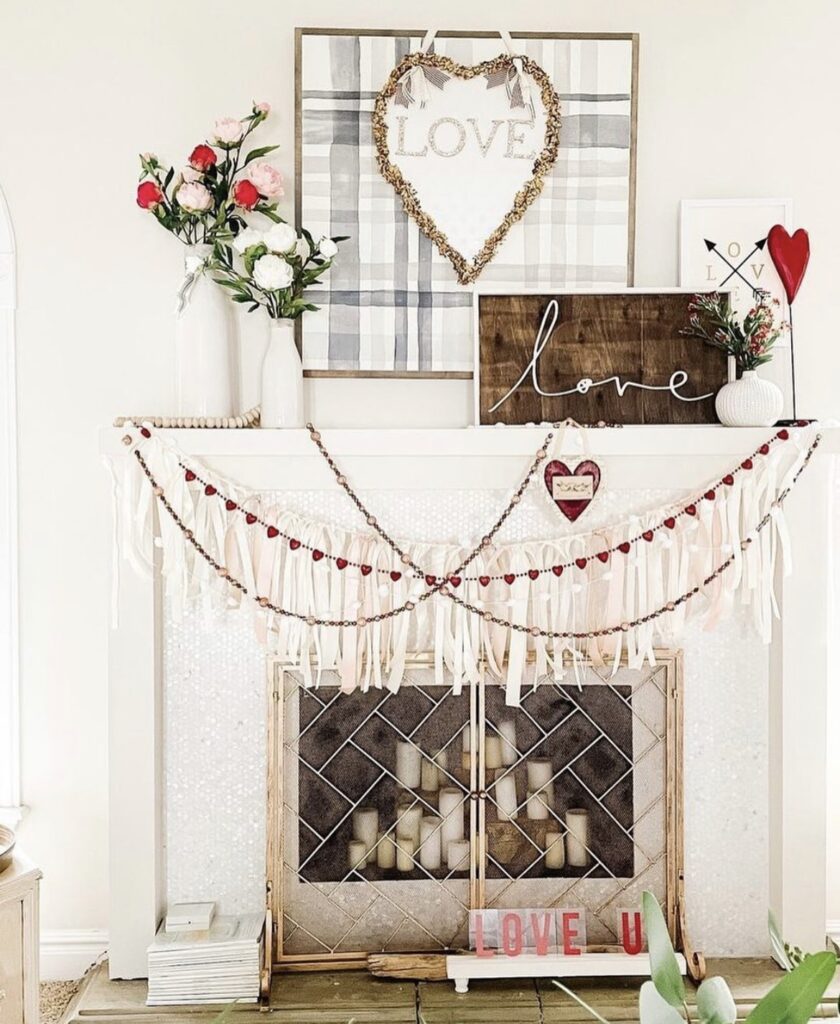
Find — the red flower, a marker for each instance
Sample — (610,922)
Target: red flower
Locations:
(148,195)
(202,158)
(245,194)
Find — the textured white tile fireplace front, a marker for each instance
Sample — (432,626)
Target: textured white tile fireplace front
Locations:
(215,789)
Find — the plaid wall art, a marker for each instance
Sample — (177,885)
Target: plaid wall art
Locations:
(391,303)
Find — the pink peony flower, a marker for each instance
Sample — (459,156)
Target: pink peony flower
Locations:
(228,130)
(262,108)
(194,197)
(267,179)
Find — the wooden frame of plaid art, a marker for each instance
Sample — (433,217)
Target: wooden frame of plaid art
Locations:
(391,305)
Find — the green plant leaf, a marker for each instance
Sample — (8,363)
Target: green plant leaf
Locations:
(715,1004)
(653,1009)
(777,943)
(664,968)
(255,154)
(794,999)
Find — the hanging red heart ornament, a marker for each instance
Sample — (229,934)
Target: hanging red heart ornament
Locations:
(572,508)
(790,255)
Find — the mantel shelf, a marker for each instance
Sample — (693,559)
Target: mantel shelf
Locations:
(466,442)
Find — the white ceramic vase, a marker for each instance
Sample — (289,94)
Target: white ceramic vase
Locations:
(205,353)
(749,402)
(282,379)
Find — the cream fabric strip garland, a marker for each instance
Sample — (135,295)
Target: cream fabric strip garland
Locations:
(634,584)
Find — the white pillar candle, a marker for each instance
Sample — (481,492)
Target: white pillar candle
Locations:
(555,851)
(429,779)
(408,822)
(458,855)
(386,851)
(451,806)
(493,753)
(365,828)
(408,765)
(442,764)
(356,854)
(505,794)
(510,752)
(539,774)
(577,839)
(537,807)
(430,830)
(405,854)
(466,755)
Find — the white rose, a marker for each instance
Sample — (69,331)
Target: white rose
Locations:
(194,197)
(327,248)
(272,273)
(245,239)
(190,174)
(228,130)
(280,238)
(302,249)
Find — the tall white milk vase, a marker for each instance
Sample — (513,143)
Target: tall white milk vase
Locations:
(205,353)
(282,378)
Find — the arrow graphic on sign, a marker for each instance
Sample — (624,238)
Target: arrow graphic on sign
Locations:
(759,246)
(712,247)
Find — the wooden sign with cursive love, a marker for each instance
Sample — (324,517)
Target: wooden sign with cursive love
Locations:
(592,356)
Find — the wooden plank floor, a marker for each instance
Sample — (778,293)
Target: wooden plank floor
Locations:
(340,996)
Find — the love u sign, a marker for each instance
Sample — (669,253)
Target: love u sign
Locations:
(612,356)
(546,932)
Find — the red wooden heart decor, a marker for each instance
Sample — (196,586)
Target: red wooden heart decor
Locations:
(572,507)
(790,255)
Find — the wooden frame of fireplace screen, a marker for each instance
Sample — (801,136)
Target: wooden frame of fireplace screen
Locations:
(392,815)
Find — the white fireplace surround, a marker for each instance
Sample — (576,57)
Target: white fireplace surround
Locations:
(636,461)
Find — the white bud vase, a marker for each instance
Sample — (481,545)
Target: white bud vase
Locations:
(205,352)
(282,379)
(749,402)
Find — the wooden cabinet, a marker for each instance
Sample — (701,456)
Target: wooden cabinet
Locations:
(19,943)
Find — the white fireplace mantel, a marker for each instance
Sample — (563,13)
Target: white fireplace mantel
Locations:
(636,459)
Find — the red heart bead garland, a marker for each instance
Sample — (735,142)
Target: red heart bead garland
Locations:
(669,522)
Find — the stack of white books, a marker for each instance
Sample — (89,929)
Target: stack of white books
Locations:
(217,965)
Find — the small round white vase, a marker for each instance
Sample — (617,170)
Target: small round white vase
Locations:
(205,352)
(749,402)
(282,379)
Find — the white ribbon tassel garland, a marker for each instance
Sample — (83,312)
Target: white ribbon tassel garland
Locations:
(627,587)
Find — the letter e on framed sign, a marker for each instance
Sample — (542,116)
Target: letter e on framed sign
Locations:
(616,356)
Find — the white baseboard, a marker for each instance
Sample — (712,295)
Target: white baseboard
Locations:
(67,953)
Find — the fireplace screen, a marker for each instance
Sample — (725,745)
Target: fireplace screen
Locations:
(391,815)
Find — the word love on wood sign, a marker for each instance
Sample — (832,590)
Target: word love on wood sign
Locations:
(546,932)
(614,356)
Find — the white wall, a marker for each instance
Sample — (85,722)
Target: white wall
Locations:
(735,100)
